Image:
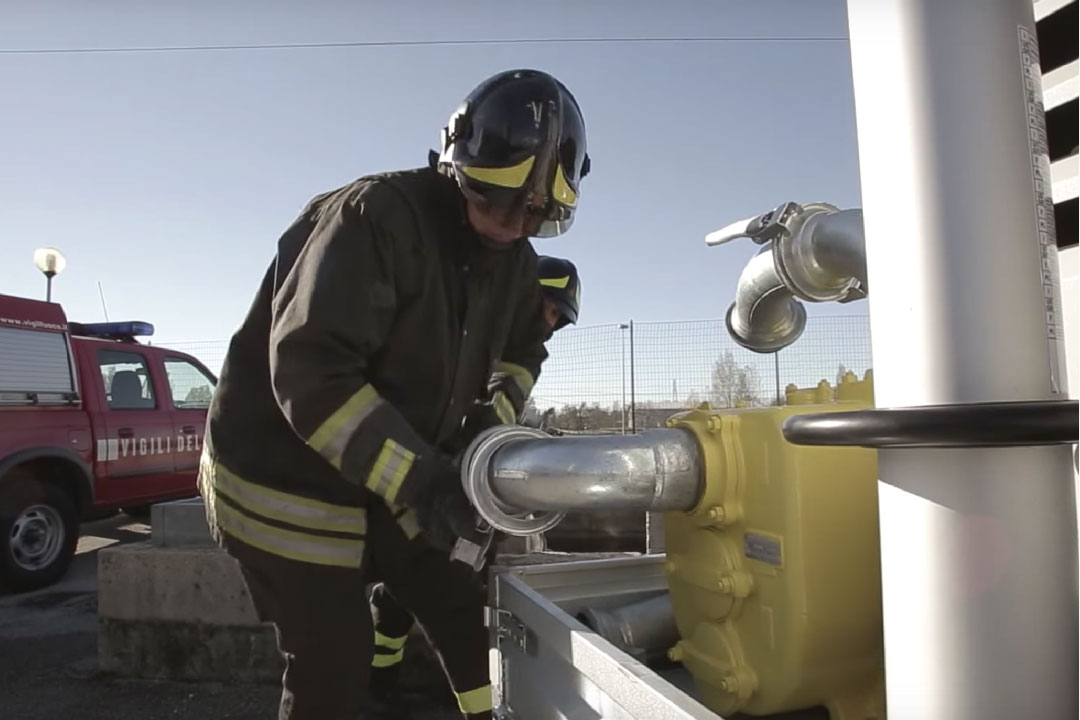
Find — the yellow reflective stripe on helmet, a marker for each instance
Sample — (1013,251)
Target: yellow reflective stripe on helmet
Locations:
(277,505)
(338,552)
(380,660)
(332,437)
(390,643)
(504,408)
(522,377)
(389,471)
(508,177)
(561,190)
(475,701)
(555,282)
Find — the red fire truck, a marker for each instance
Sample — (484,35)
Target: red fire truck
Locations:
(91,421)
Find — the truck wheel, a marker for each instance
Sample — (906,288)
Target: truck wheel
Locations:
(39,530)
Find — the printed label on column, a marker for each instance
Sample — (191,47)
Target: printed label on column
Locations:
(1044,204)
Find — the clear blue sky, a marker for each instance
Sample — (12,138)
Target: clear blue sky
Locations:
(169,176)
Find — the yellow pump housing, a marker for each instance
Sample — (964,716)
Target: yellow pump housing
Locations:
(775,577)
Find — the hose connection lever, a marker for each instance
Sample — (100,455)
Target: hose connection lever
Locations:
(760,228)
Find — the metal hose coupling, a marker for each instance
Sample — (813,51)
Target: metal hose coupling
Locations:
(476,476)
(813,253)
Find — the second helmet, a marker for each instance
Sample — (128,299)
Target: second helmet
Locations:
(559,282)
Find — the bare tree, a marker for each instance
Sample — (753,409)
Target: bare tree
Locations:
(733,384)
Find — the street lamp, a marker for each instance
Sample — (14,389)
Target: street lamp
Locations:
(633,416)
(50,262)
(622,337)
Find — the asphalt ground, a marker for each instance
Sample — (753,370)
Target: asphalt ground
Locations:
(49,666)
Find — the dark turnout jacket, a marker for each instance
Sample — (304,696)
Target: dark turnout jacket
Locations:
(382,318)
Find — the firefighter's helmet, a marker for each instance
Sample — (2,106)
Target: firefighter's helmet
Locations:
(560,283)
(517,144)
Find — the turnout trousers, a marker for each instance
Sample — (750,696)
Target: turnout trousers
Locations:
(324,624)
(392,626)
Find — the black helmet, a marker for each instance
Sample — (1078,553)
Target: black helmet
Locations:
(560,283)
(517,143)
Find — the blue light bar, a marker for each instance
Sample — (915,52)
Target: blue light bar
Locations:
(131,328)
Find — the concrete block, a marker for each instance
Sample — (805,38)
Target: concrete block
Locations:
(162,649)
(145,582)
(181,523)
(184,613)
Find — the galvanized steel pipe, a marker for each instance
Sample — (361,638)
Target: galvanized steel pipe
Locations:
(656,470)
(644,628)
(521,480)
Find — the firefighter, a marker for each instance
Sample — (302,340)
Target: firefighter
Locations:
(376,327)
(561,290)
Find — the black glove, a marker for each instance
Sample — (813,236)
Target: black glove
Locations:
(480,417)
(443,511)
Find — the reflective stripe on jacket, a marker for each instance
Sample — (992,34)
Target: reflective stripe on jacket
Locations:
(285,524)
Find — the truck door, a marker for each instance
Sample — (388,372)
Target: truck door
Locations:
(138,428)
(190,389)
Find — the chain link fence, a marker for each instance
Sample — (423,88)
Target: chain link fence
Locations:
(635,375)
(631,374)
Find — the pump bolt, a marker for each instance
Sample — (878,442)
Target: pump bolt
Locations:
(726,585)
(729,683)
(717,514)
(715,424)
(675,654)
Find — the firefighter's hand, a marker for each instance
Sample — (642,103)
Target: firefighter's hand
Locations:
(444,513)
(480,417)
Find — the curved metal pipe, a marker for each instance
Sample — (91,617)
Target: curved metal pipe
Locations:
(656,470)
(765,316)
(814,253)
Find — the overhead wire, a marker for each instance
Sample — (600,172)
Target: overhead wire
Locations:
(407,43)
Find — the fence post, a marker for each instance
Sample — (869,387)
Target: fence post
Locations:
(633,399)
(776,365)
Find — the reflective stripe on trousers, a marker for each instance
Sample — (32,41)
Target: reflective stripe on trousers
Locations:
(388,651)
(475,701)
